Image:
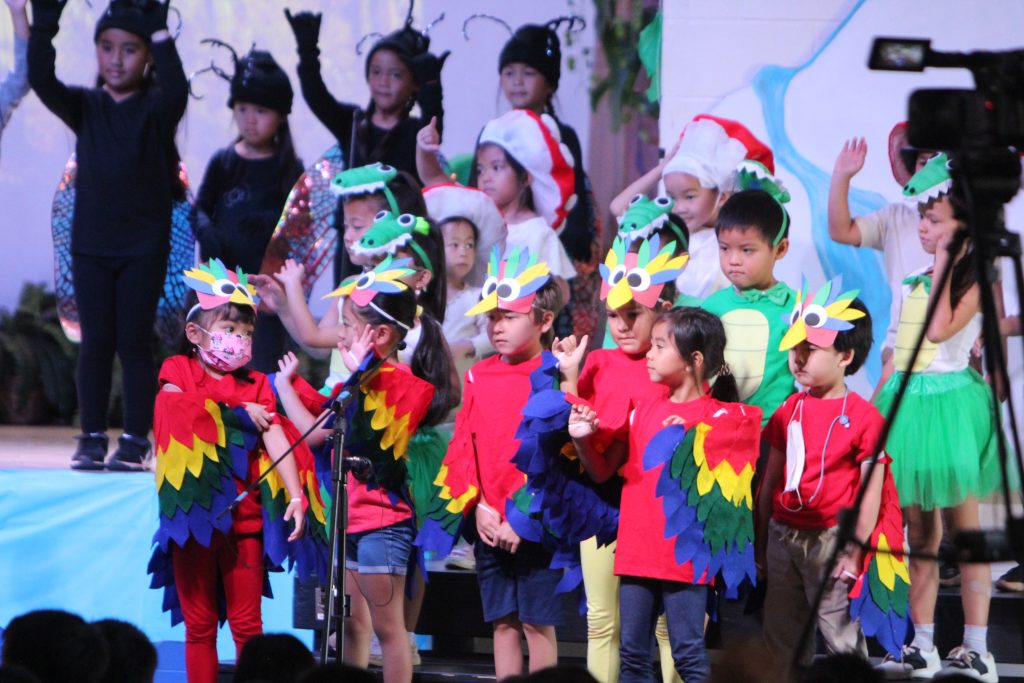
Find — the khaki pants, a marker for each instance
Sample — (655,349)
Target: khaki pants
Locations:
(796,562)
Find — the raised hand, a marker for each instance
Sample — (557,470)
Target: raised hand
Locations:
(287,366)
(306,27)
(851,158)
(291,273)
(361,346)
(270,292)
(426,67)
(428,139)
(569,352)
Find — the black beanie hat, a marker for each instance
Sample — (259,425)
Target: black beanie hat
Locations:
(536,46)
(127,15)
(406,42)
(260,80)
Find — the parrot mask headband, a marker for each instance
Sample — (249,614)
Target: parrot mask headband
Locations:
(215,286)
(385,278)
(753,175)
(639,275)
(820,318)
(512,283)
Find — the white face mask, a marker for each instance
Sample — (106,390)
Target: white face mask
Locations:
(796,455)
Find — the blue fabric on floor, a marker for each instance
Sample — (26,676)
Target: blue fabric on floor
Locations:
(80,541)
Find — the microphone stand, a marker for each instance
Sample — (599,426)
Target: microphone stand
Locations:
(340,465)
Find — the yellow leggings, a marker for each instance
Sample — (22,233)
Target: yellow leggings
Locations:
(603,617)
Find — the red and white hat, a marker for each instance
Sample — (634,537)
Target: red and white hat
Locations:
(535,143)
(713,147)
(458,201)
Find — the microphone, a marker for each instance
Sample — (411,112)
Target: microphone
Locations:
(359,466)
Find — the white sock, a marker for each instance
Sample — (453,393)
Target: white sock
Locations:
(924,636)
(976,638)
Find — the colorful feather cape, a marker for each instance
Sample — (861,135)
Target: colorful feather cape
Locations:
(880,597)
(705,489)
(203,448)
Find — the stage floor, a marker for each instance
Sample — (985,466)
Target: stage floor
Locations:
(80,541)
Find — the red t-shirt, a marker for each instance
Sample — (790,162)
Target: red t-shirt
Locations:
(847,449)
(613,381)
(484,441)
(188,375)
(642,549)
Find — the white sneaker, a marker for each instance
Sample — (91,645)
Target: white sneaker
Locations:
(461,557)
(915,663)
(970,664)
(414,647)
(376,654)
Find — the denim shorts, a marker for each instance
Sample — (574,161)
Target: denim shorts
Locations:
(380,551)
(521,584)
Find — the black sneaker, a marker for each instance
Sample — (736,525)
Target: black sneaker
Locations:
(964,663)
(949,574)
(1012,581)
(92,449)
(132,454)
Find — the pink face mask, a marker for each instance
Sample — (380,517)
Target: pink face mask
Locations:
(227,351)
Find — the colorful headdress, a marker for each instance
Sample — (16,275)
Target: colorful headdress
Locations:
(753,175)
(367,180)
(639,275)
(712,147)
(385,278)
(216,285)
(931,182)
(389,232)
(445,202)
(820,318)
(534,142)
(512,282)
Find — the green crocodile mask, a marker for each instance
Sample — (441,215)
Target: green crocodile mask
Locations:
(753,175)
(931,182)
(366,180)
(644,216)
(389,232)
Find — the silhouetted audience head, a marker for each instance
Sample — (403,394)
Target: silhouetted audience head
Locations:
(132,655)
(56,646)
(15,674)
(562,673)
(847,667)
(338,673)
(274,658)
(748,662)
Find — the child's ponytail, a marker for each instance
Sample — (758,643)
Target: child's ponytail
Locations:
(693,330)
(432,361)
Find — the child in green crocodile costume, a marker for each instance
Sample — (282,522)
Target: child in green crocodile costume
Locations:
(752,230)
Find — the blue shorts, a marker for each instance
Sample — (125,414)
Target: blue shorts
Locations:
(380,551)
(521,584)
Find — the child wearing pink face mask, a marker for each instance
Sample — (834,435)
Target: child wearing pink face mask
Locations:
(204,555)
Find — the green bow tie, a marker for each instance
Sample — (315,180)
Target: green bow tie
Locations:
(778,295)
(914,280)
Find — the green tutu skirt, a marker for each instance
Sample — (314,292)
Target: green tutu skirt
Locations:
(427,448)
(943,442)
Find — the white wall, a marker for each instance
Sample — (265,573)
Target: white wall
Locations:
(720,56)
(36,144)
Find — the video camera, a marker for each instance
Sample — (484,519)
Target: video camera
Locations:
(978,126)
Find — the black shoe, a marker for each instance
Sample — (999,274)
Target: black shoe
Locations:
(92,449)
(132,454)
(949,574)
(1012,581)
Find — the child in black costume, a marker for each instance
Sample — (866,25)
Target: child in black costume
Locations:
(127,181)
(246,184)
(401,72)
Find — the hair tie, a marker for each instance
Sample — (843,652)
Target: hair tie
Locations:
(724,370)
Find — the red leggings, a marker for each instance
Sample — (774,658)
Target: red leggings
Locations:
(237,562)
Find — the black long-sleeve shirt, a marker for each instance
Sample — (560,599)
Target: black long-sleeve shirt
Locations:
(395,147)
(238,205)
(127,161)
